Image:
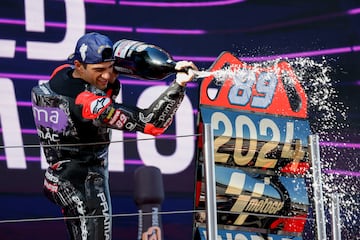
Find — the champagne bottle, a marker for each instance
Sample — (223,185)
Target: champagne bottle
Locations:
(143,60)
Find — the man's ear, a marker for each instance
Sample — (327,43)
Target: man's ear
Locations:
(78,69)
(77,65)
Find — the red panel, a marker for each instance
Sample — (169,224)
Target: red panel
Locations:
(280,104)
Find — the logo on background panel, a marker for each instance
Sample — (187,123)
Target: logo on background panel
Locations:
(53,118)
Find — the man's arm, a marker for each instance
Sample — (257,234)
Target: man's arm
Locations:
(153,120)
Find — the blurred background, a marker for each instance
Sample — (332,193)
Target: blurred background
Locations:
(321,38)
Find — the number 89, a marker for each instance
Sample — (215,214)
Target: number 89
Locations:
(240,93)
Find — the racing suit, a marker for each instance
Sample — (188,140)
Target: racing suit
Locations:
(73,121)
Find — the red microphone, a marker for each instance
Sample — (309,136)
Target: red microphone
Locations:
(148,196)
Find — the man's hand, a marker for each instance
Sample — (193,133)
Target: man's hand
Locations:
(186,73)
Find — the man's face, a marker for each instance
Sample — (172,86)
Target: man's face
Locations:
(99,74)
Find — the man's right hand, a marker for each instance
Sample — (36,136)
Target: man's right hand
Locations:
(184,77)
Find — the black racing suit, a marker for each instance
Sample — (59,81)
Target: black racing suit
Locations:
(73,121)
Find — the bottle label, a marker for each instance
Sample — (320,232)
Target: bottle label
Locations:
(122,49)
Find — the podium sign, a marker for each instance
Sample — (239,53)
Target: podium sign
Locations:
(259,120)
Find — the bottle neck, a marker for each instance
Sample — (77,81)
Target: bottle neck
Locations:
(171,64)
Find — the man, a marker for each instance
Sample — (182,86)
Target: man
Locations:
(74,113)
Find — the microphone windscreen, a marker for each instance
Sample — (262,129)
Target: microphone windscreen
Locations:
(148,186)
